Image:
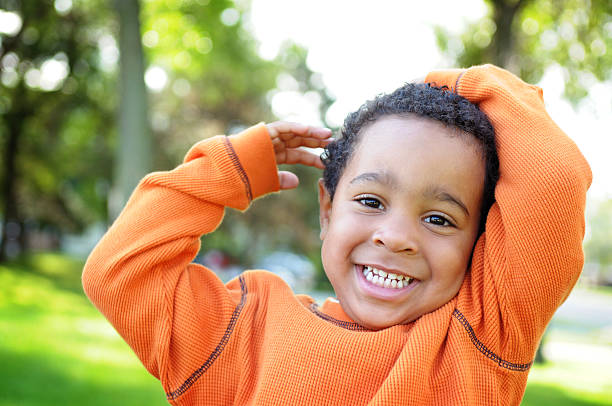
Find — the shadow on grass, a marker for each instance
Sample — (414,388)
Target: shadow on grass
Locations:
(539,394)
(32,379)
(60,269)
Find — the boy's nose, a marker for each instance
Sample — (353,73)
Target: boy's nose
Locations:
(397,236)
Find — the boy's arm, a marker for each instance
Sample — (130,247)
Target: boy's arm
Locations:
(140,274)
(143,261)
(531,255)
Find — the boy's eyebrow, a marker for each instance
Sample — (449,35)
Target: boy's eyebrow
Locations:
(380,177)
(442,195)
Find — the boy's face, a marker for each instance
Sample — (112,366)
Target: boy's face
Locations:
(408,203)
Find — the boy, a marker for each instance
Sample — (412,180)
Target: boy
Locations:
(403,205)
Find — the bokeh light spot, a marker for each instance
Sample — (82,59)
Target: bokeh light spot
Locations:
(63,7)
(150,38)
(10,23)
(230,16)
(156,78)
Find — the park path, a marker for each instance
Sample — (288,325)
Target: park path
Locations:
(587,308)
(587,315)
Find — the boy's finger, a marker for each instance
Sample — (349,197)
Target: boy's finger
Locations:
(288,127)
(287,180)
(302,157)
(320,132)
(307,142)
(287,130)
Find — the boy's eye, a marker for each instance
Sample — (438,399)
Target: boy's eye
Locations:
(438,220)
(370,202)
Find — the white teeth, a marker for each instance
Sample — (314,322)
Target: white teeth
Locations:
(384,279)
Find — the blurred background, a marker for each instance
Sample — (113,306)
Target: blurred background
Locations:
(94,94)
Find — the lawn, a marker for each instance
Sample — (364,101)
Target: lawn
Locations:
(56,349)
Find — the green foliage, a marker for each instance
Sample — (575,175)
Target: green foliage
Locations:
(575,34)
(62,152)
(217,84)
(216,80)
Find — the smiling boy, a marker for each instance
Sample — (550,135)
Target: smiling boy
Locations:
(445,276)
(410,211)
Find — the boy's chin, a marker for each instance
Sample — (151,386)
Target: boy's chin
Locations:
(372,320)
(376,325)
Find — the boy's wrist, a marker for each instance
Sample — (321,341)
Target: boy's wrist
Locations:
(255,153)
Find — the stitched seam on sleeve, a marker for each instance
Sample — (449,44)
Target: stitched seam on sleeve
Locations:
(484,350)
(456,89)
(241,172)
(217,351)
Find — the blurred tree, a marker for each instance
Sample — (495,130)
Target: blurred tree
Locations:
(204,77)
(527,36)
(292,215)
(133,156)
(208,79)
(205,74)
(55,107)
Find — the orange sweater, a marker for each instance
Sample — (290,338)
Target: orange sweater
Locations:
(253,341)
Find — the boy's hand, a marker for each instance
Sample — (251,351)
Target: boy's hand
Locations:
(287,138)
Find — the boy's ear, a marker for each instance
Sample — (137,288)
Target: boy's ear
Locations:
(324,208)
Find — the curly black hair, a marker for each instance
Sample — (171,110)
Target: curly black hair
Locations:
(424,100)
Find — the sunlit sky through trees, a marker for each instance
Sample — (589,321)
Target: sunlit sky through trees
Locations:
(363,48)
(360,50)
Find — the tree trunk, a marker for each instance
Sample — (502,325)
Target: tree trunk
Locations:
(14,120)
(134,149)
(504,13)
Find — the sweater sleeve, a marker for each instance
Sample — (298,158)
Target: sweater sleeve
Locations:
(530,256)
(140,274)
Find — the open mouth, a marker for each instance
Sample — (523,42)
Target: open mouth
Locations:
(385,279)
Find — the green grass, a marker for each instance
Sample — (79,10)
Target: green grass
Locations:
(56,349)
(569,383)
(603,290)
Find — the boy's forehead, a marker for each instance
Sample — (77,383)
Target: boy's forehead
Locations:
(411,123)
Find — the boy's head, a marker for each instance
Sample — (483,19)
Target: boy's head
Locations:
(405,193)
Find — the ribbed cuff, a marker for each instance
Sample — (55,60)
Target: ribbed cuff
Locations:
(256,155)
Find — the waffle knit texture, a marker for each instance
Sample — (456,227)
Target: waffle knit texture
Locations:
(252,341)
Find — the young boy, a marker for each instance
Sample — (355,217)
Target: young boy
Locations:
(430,309)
